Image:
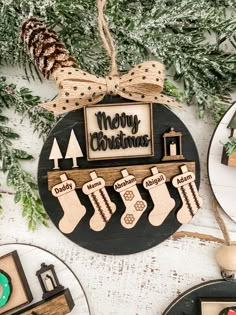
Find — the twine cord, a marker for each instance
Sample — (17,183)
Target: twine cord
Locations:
(106,37)
(228,275)
(221,223)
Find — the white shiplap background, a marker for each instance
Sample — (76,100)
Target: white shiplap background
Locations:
(140,284)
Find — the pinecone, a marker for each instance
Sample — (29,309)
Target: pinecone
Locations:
(47,51)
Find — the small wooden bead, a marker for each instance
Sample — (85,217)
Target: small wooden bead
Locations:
(226,257)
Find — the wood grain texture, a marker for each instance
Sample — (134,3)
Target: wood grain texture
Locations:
(61,304)
(141,284)
(111,174)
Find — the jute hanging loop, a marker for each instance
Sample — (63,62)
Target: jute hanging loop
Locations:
(79,88)
(106,37)
(226,255)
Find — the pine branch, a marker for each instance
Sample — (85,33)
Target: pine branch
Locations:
(26,104)
(23,183)
(175,32)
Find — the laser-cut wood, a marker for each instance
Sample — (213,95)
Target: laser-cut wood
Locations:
(119,130)
(114,238)
(102,204)
(135,205)
(111,174)
(73,149)
(70,203)
(55,154)
(191,201)
(163,203)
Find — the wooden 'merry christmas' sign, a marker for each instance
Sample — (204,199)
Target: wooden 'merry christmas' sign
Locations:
(115,130)
(116,177)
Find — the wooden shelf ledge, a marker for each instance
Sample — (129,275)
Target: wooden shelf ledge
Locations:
(61,304)
(112,174)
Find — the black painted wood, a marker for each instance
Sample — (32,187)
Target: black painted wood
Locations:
(189,303)
(114,239)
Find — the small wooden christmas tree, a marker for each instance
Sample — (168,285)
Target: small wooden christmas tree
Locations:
(55,154)
(73,150)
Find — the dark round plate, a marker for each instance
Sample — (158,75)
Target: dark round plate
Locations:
(221,176)
(188,303)
(115,239)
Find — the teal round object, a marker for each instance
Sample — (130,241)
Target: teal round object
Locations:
(5,283)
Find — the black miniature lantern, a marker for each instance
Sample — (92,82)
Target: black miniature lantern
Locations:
(48,280)
(172,146)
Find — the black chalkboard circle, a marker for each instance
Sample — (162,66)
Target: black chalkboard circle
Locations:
(114,238)
(188,303)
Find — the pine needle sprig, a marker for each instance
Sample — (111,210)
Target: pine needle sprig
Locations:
(230,146)
(26,104)
(22,182)
(196,39)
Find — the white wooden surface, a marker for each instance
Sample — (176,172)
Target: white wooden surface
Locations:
(223,177)
(140,284)
(31,259)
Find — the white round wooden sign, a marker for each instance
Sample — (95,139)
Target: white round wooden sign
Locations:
(31,258)
(222,177)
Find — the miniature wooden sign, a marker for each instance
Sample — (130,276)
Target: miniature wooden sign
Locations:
(15,291)
(108,202)
(119,131)
(70,203)
(218,307)
(102,204)
(163,203)
(191,201)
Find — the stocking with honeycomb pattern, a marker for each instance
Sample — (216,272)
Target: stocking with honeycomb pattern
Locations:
(135,205)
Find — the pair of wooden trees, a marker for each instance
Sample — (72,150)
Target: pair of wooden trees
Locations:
(73,151)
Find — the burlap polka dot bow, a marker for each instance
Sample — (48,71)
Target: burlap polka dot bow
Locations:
(79,88)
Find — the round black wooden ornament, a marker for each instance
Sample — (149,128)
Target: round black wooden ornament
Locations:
(114,238)
(218,294)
